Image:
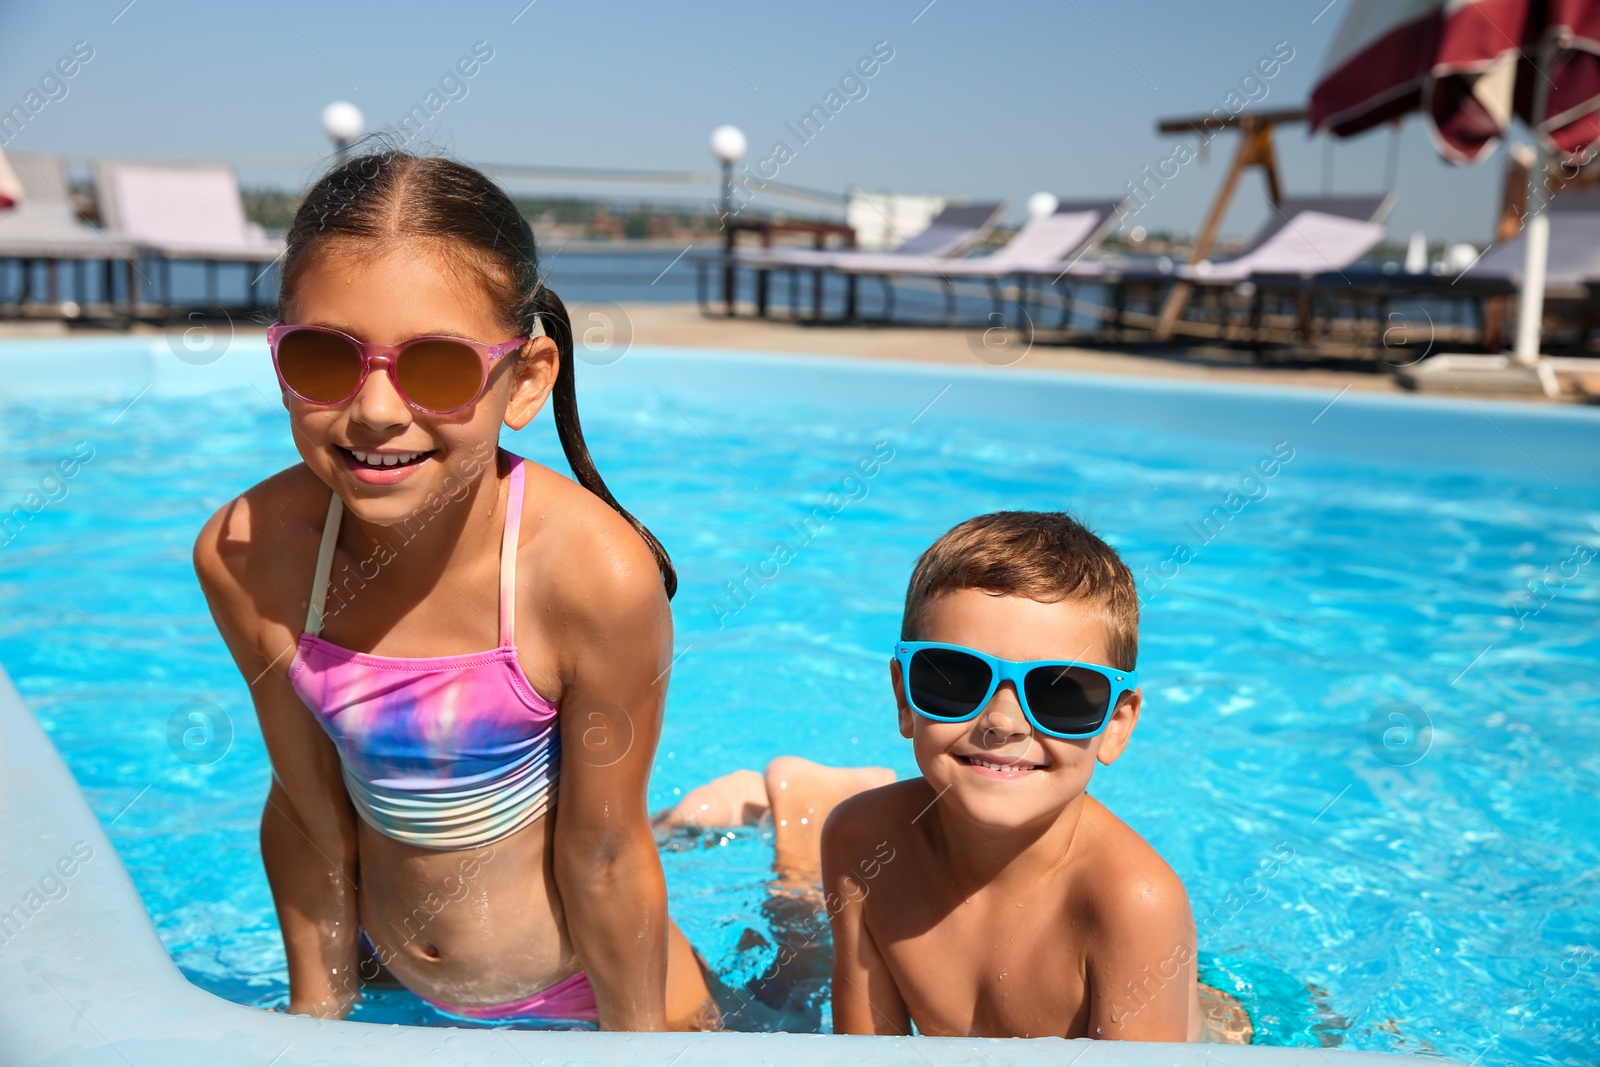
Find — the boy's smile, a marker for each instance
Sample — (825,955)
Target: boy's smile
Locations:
(1001,766)
(999,771)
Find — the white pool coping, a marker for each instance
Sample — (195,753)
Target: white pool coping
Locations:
(85,980)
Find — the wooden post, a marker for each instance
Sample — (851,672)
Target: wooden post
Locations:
(728,269)
(1255,150)
(762,276)
(1513,207)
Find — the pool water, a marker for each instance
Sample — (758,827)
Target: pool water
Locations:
(1368,748)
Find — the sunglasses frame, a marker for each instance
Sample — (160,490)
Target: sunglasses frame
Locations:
(388,357)
(1015,672)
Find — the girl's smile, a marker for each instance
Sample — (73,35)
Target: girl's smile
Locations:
(391,455)
(382,466)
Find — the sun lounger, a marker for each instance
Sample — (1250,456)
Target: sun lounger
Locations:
(1572,284)
(1042,249)
(176,212)
(1574,258)
(1302,237)
(45,224)
(953,232)
(182,212)
(44,229)
(1042,246)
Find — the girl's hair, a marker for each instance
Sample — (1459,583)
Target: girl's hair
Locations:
(372,201)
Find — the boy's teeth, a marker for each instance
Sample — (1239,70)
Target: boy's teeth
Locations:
(373,459)
(1001,766)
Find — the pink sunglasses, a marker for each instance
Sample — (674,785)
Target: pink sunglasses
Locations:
(436,375)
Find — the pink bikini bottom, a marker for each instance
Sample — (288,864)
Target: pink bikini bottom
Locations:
(569,999)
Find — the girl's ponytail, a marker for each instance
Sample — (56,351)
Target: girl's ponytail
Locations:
(564,402)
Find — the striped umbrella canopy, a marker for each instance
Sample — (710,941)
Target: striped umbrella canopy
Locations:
(10,187)
(1468,66)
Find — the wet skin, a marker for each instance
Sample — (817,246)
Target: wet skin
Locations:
(1014,904)
(581,887)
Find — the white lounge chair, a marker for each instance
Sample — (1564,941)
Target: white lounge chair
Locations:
(1303,237)
(45,225)
(184,212)
(43,228)
(953,232)
(1574,258)
(1044,248)
(1309,235)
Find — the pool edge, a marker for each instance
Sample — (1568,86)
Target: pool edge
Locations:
(84,977)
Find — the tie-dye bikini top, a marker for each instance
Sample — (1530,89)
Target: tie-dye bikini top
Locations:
(442,752)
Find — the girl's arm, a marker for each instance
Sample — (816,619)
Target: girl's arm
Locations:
(617,648)
(308,831)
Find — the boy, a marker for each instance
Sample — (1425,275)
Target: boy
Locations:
(993,896)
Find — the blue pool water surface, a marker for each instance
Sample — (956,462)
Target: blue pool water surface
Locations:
(1368,748)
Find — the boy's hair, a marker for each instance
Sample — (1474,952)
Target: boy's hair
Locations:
(1043,555)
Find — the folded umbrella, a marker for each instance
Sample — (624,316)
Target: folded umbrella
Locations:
(1467,66)
(10,186)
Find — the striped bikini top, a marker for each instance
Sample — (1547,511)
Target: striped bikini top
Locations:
(443,752)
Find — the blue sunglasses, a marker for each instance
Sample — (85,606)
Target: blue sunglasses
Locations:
(1061,698)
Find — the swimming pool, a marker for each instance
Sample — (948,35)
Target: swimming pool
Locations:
(1343,661)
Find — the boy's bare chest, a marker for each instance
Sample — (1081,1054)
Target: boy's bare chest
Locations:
(988,967)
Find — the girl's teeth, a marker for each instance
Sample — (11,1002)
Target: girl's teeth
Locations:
(373,459)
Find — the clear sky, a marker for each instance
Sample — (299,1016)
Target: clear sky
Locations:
(987,99)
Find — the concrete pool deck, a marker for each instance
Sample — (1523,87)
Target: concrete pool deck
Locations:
(685,326)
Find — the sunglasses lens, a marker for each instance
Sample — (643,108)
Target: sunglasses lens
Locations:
(1068,700)
(322,367)
(947,683)
(439,375)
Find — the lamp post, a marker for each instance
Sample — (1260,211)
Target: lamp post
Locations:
(1042,205)
(728,144)
(342,122)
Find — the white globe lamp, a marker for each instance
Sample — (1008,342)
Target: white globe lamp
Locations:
(728,144)
(343,123)
(1042,205)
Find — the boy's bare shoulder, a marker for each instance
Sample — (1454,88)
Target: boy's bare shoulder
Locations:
(872,816)
(1129,887)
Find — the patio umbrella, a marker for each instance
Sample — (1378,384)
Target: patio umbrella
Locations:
(10,187)
(1469,66)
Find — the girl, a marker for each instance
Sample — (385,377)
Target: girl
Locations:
(458,658)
